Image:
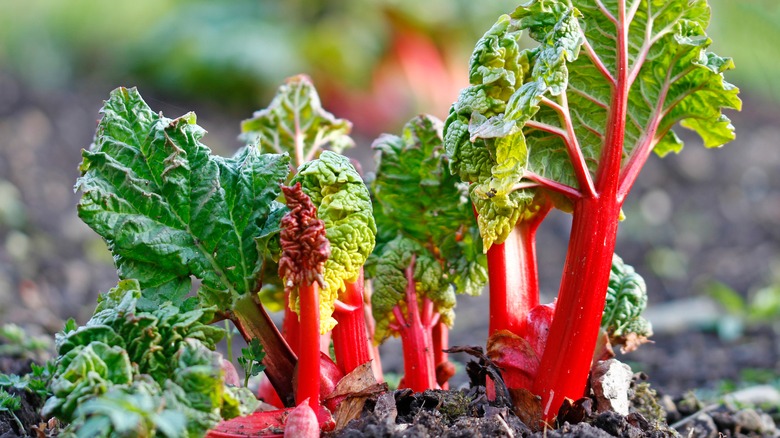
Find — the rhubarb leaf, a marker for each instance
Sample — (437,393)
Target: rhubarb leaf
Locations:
(149,338)
(547,136)
(390,284)
(413,181)
(296,123)
(271,294)
(344,204)
(137,410)
(169,209)
(86,371)
(155,370)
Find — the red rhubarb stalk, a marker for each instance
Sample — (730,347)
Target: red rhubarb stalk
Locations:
(415,328)
(444,368)
(350,336)
(291,328)
(565,364)
(308,372)
(376,360)
(304,252)
(513,276)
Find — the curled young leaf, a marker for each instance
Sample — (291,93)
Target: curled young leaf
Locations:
(296,123)
(84,372)
(130,368)
(626,300)
(150,338)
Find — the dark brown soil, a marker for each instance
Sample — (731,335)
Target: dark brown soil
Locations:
(467,413)
(680,362)
(29,414)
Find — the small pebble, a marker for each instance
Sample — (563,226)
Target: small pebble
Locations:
(768,426)
(702,426)
(748,420)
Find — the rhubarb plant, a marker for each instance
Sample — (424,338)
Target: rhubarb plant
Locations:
(566,124)
(296,123)
(571,122)
(432,253)
(344,205)
(139,371)
(305,250)
(171,211)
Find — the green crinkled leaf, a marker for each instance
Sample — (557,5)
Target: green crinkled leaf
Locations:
(390,284)
(679,65)
(150,338)
(343,203)
(133,372)
(296,123)
(503,130)
(125,411)
(84,372)
(190,401)
(145,408)
(626,300)
(199,373)
(413,181)
(169,209)
(272,293)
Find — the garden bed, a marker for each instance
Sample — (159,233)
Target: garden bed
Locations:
(706,365)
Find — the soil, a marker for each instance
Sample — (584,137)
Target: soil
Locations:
(468,412)
(29,414)
(680,362)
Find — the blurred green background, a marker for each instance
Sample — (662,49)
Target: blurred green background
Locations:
(233,54)
(693,219)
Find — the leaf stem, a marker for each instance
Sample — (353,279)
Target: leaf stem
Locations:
(635,7)
(253,322)
(513,276)
(416,337)
(555,186)
(575,152)
(291,328)
(606,13)
(645,146)
(546,128)
(444,368)
(572,146)
(298,136)
(308,371)
(229,341)
(350,336)
(596,59)
(565,363)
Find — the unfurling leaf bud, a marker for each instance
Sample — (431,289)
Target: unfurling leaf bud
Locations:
(305,249)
